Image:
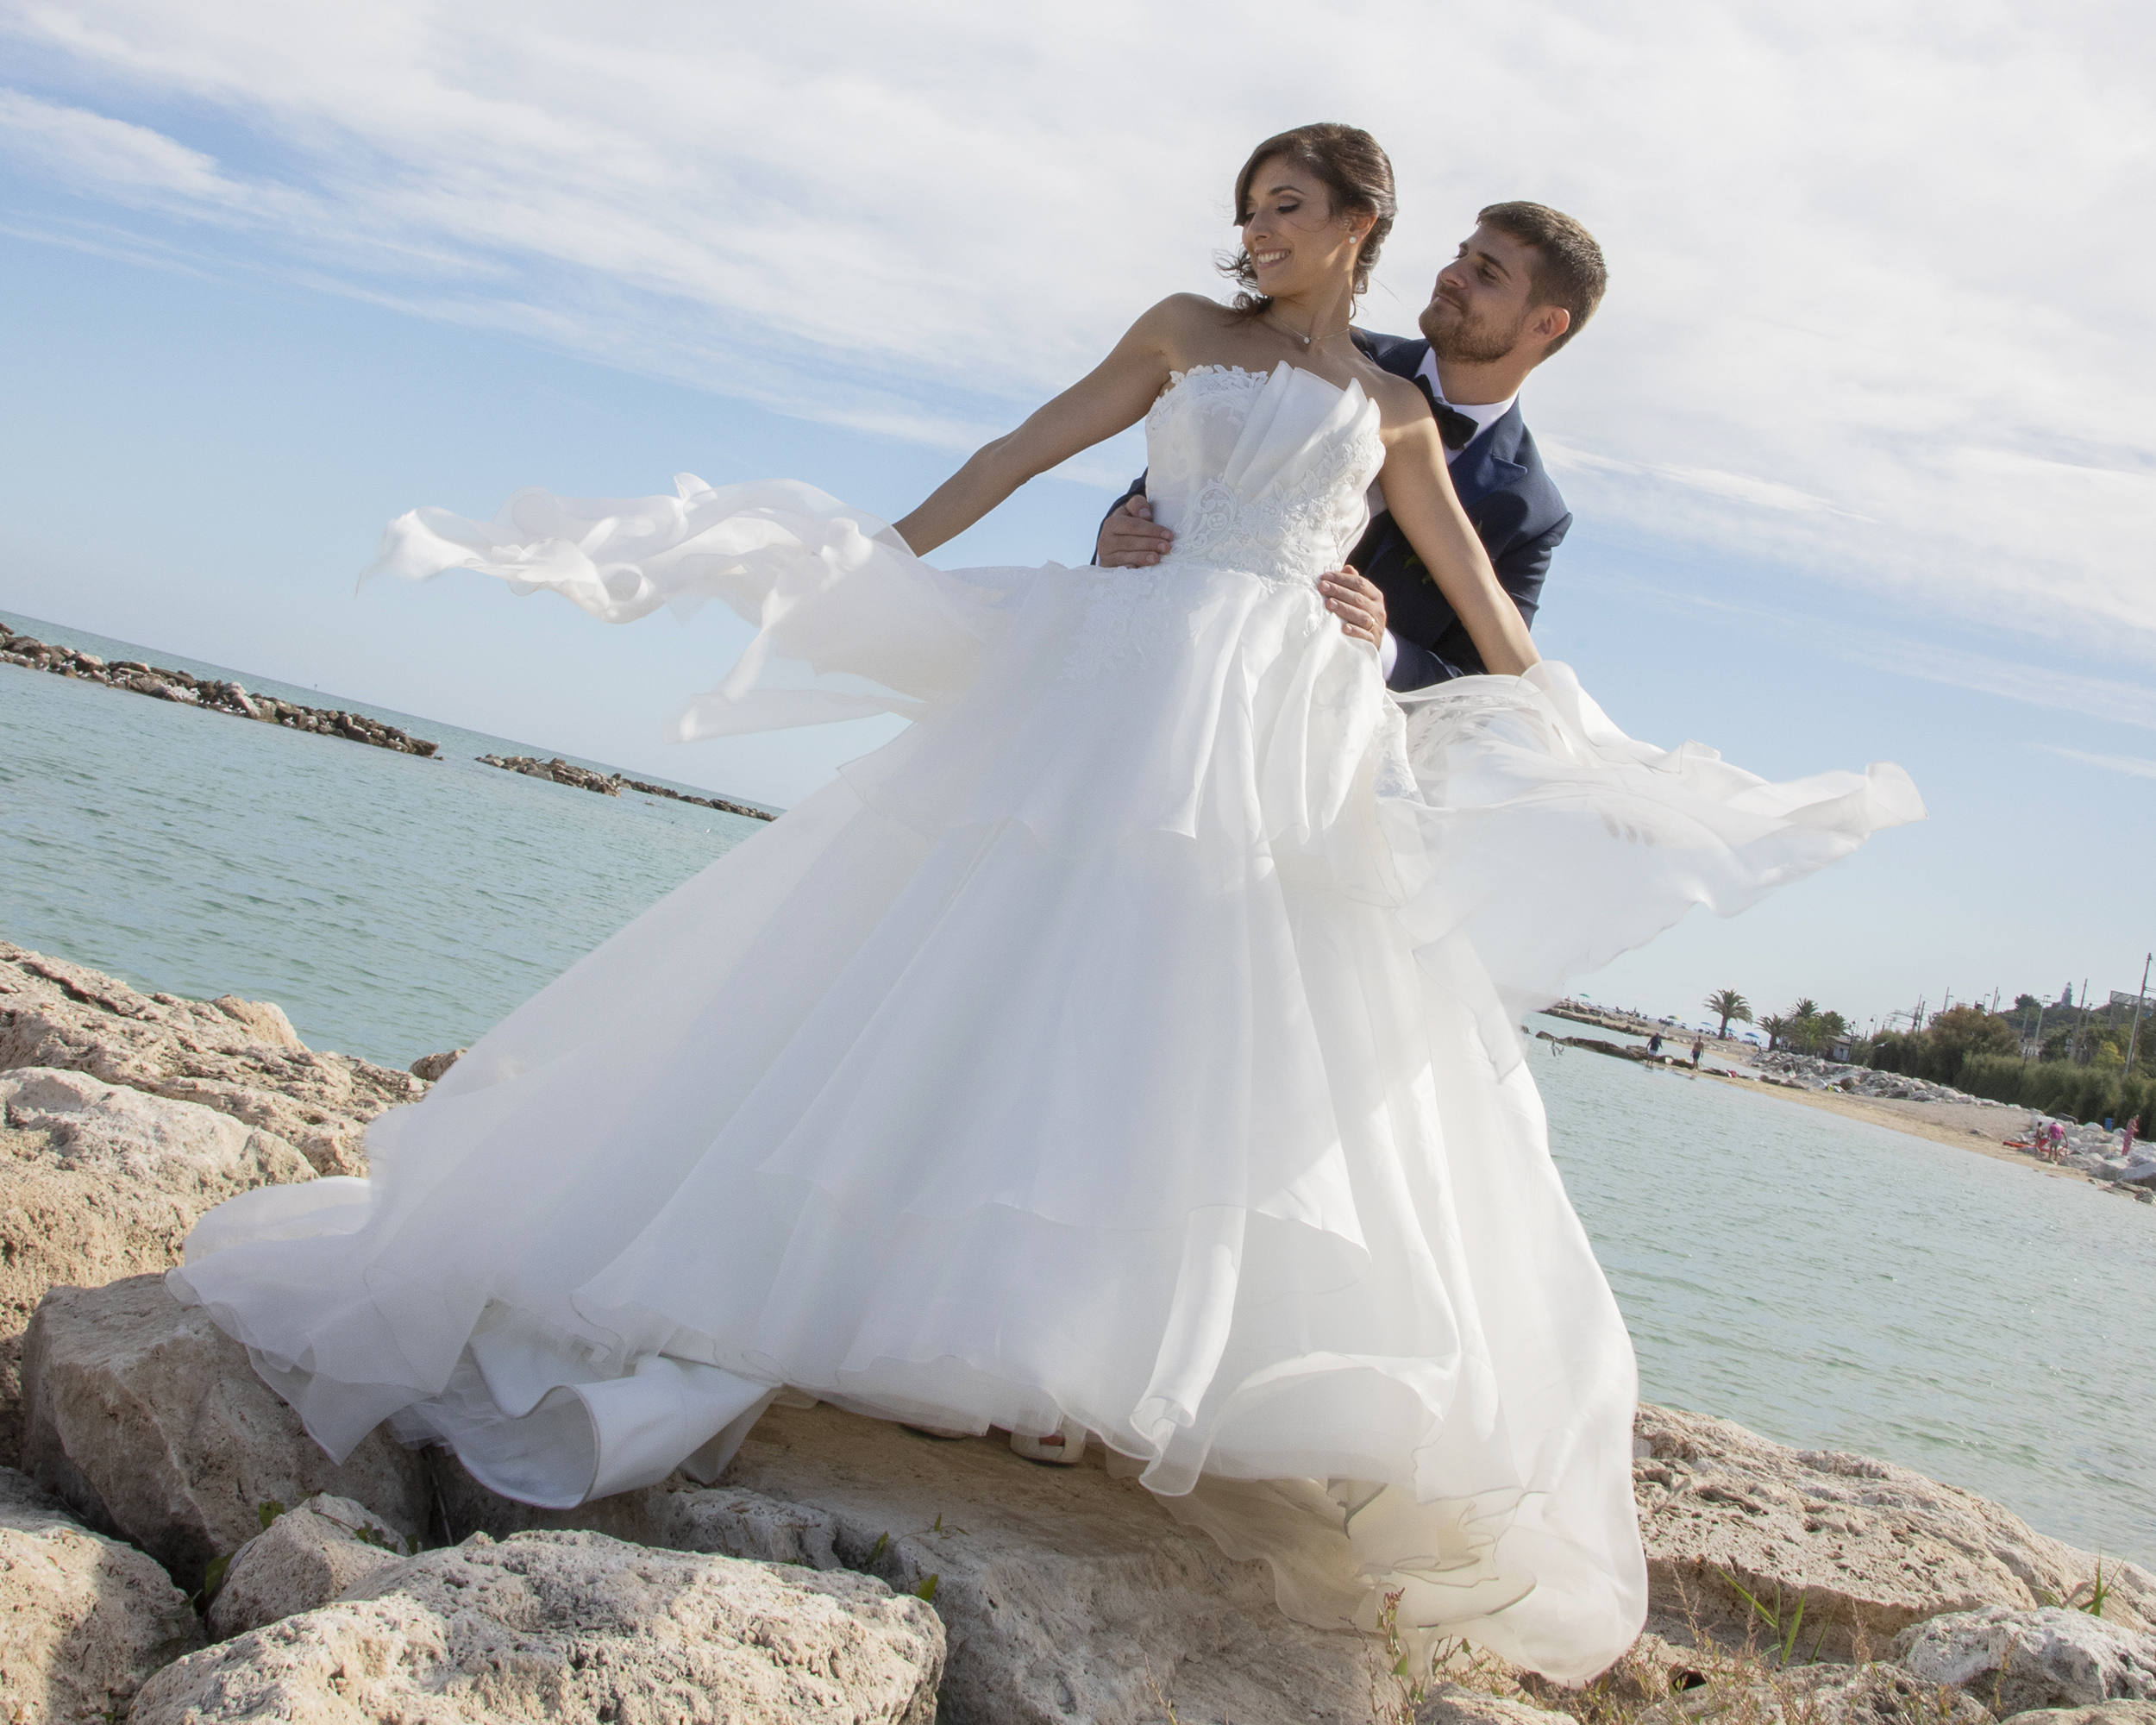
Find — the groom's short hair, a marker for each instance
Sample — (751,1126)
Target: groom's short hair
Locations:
(1568,269)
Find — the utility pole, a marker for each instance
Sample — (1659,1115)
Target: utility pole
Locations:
(2081,1017)
(2040,1011)
(2134,1036)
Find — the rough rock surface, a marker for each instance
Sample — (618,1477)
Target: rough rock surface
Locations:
(98,1182)
(2105,1713)
(1452,1703)
(1068,1593)
(306,1557)
(1822,1694)
(2016,1661)
(83,1620)
(677,1515)
(147,1420)
(1869,1547)
(241,1057)
(574,1626)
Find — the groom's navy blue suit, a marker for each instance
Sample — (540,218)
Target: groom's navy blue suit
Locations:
(1516,512)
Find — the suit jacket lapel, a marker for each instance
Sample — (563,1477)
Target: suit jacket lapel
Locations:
(1486,465)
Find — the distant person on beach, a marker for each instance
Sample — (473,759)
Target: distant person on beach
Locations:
(1699,1047)
(1654,1043)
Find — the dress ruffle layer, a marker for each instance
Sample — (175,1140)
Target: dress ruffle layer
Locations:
(1129,1041)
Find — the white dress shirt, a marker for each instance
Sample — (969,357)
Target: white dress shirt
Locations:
(1485,415)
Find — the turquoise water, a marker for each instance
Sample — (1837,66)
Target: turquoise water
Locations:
(393,906)
(1823,1281)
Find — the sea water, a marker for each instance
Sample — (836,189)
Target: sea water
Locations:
(1827,1282)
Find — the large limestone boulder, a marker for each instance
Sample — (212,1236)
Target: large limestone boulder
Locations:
(1866,1547)
(1067,1592)
(83,1619)
(146,1419)
(551,1626)
(98,1182)
(241,1057)
(677,1515)
(2016,1661)
(306,1557)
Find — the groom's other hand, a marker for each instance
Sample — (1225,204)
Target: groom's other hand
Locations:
(1357,602)
(1129,540)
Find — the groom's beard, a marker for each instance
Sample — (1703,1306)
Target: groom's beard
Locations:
(1474,344)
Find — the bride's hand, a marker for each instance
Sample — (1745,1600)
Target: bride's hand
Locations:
(1357,602)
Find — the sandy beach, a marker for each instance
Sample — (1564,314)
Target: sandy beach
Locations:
(1968,1125)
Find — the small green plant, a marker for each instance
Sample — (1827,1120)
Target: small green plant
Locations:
(2099,1590)
(1784,1633)
(212,1579)
(926,1591)
(267,1513)
(876,1550)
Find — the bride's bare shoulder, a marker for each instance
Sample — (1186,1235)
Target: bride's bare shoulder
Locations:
(1400,404)
(1189,314)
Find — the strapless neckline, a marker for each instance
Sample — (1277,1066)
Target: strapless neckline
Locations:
(1177,379)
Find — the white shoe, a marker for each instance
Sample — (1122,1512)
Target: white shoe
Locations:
(1065,1446)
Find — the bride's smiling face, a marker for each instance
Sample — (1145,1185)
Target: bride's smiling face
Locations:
(1293,238)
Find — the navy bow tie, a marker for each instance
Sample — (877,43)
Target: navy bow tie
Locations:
(1458,429)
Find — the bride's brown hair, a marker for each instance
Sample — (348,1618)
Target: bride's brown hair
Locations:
(1359,175)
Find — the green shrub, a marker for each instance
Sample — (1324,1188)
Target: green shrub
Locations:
(2077,1092)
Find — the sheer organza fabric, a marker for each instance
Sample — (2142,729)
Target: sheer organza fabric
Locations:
(1132,1040)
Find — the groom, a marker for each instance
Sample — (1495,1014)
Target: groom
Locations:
(1524,283)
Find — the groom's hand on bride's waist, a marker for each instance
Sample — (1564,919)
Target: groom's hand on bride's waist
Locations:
(1357,602)
(1129,540)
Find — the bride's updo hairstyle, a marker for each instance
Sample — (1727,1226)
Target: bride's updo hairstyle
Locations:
(1344,159)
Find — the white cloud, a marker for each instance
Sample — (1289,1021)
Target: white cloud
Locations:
(2132,765)
(1878,311)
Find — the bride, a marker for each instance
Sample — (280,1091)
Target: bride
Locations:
(1128,1049)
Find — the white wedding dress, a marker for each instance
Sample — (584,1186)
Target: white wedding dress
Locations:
(1132,1040)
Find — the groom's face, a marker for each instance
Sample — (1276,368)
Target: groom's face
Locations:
(1479,310)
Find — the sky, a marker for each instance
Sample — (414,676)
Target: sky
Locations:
(1860,447)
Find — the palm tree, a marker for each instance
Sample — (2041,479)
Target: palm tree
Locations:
(1776,1026)
(1730,1005)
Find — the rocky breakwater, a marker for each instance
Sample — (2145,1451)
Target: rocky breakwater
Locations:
(207,692)
(1811,1072)
(124,1116)
(559,772)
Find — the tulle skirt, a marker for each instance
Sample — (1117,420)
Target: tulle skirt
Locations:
(1132,1041)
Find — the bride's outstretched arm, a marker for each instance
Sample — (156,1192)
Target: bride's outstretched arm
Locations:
(1111,397)
(1419,491)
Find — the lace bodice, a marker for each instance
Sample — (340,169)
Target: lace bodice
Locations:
(1262,471)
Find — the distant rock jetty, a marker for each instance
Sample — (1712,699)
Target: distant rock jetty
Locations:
(612,784)
(206,692)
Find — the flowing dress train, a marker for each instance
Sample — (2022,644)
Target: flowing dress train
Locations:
(1134,1039)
